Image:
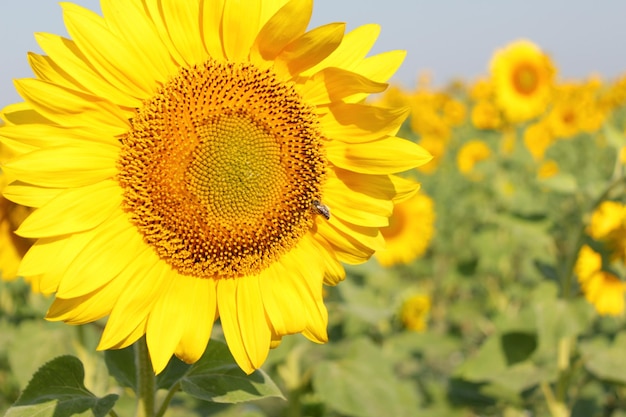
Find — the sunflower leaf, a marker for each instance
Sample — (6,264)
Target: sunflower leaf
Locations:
(57,389)
(216,377)
(121,366)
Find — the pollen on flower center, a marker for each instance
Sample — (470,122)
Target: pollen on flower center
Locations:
(219,170)
(525,78)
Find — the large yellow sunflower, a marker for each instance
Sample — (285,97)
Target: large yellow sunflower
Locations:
(191,160)
(523,78)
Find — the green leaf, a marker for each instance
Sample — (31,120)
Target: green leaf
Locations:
(606,361)
(57,389)
(121,365)
(217,378)
(172,373)
(363,384)
(518,346)
(562,183)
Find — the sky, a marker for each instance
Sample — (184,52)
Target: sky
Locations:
(450,39)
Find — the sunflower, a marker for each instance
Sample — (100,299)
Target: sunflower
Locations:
(12,247)
(602,289)
(470,154)
(410,230)
(414,312)
(203,159)
(523,78)
(608,225)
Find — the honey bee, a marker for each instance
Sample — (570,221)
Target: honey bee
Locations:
(320,208)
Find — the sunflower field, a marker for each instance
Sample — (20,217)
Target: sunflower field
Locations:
(455,251)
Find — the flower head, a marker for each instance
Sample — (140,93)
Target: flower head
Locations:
(470,154)
(522,76)
(410,230)
(601,288)
(203,159)
(414,312)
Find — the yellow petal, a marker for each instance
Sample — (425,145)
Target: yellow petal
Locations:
(71,107)
(385,156)
(128,21)
(281,300)
(255,331)
(227,307)
(357,123)
(357,208)
(240,25)
(182,19)
(70,62)
(334,84)
(165,323)
(380,67)
(65,166)
(143,280)
(30,196)
(41,136)
(310,48)
(199,319)
(113,246)
(211,27)
(21,113)
(74,210)
(289,23)
(355,45)
(107,52)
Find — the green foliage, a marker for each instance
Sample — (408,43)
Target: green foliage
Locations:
(57,389)
(509,333)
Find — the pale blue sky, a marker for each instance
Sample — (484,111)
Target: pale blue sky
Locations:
(450,38)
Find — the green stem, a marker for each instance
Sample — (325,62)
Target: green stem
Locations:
(146,380)
(112,413)
(166,402)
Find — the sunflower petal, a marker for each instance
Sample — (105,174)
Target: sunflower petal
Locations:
(286,25)
(358,123)
(240,26)
(310,48)
(385,156)
(74,210)
(82,166)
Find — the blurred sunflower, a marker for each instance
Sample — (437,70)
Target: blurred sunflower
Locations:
(411,228)
(203,159)
(608,225)
(547,169)
(486,115)
(414,312)
(12,247)
(538,138)
(601,288)
(523,77)
(470,154)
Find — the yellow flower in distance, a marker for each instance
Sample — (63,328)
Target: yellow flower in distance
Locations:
(602,289)
(414,312)
(608,225)
(410,230)
(547,169)
(203,159)
(538,138)
(12,247)
(523,78)
(470,154)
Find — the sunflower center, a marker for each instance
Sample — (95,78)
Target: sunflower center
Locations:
(525,78)
(220,170)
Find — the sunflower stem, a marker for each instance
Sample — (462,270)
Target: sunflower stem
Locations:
(166,402)
(146,380)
